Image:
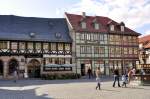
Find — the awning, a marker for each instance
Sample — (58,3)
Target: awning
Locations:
(52,65)
(57,65)
(67,65)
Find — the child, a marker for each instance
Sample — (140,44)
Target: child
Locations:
(125,80)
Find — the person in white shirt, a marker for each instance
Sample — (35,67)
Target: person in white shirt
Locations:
(98,73)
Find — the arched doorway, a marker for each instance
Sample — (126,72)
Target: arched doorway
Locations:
(1,67)
(13,65)
(34,69)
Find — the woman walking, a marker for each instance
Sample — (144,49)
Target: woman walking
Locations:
(98,78)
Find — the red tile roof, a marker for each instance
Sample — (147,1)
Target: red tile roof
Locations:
(103,21)
(147,45)
(145,41)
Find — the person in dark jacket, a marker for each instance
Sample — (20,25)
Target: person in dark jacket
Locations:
(89,72)
(116,77)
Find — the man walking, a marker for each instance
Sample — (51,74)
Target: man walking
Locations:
(89,72)
(116,77)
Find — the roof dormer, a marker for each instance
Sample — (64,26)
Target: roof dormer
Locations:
(83,21)
(83,25)
(95,24)
(111,25)
(122,26)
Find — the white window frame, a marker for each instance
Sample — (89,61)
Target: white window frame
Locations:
(122,28)
(112,27)
(96,26)
(83,25)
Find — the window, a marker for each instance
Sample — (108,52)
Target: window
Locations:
(53,46)
(85,49)
(96,26)
(101,37)
(95,37)
(3,44)
(45,46)
(117,38)
(130,38)
(82,49)
(38,46)
(111,37)
(22,45)
(96,50)
(135,39)
(83,25)
(82,36)
(101,50)
(61,61)
(60,46)
(53,61)
(14,45)
(67,61)
(88,36)
(122,28)
(135,50)
(112,50)
(130,50)
(30,45)
(125,38)
(125,51)
(88,49)
(118,50)
(67,46)
(92,36)
(112,27)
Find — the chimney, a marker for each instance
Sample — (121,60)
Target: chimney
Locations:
(83,14)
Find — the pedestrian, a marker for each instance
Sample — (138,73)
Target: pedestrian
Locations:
(116,77)
(142,71)
(133,71)
(98,73)
(89,72)
(124,80)
(129,76)
(15,76)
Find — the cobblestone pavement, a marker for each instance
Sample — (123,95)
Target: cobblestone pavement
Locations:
(69,89)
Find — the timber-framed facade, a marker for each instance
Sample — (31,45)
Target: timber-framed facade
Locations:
(101,42)
(27,44)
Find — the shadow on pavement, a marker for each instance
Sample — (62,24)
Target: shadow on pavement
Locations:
(21,94)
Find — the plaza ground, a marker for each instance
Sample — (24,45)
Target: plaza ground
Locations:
(69,89)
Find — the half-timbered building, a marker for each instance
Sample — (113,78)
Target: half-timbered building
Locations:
(101,42)
(144,45)
(29,43)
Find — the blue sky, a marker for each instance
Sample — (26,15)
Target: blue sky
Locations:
(134,13)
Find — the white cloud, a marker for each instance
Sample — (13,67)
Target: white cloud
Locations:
(135,13)
(147,32)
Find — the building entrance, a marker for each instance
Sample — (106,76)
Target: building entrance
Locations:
(13,65)
(34,69)
(1,67)
(82,69)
